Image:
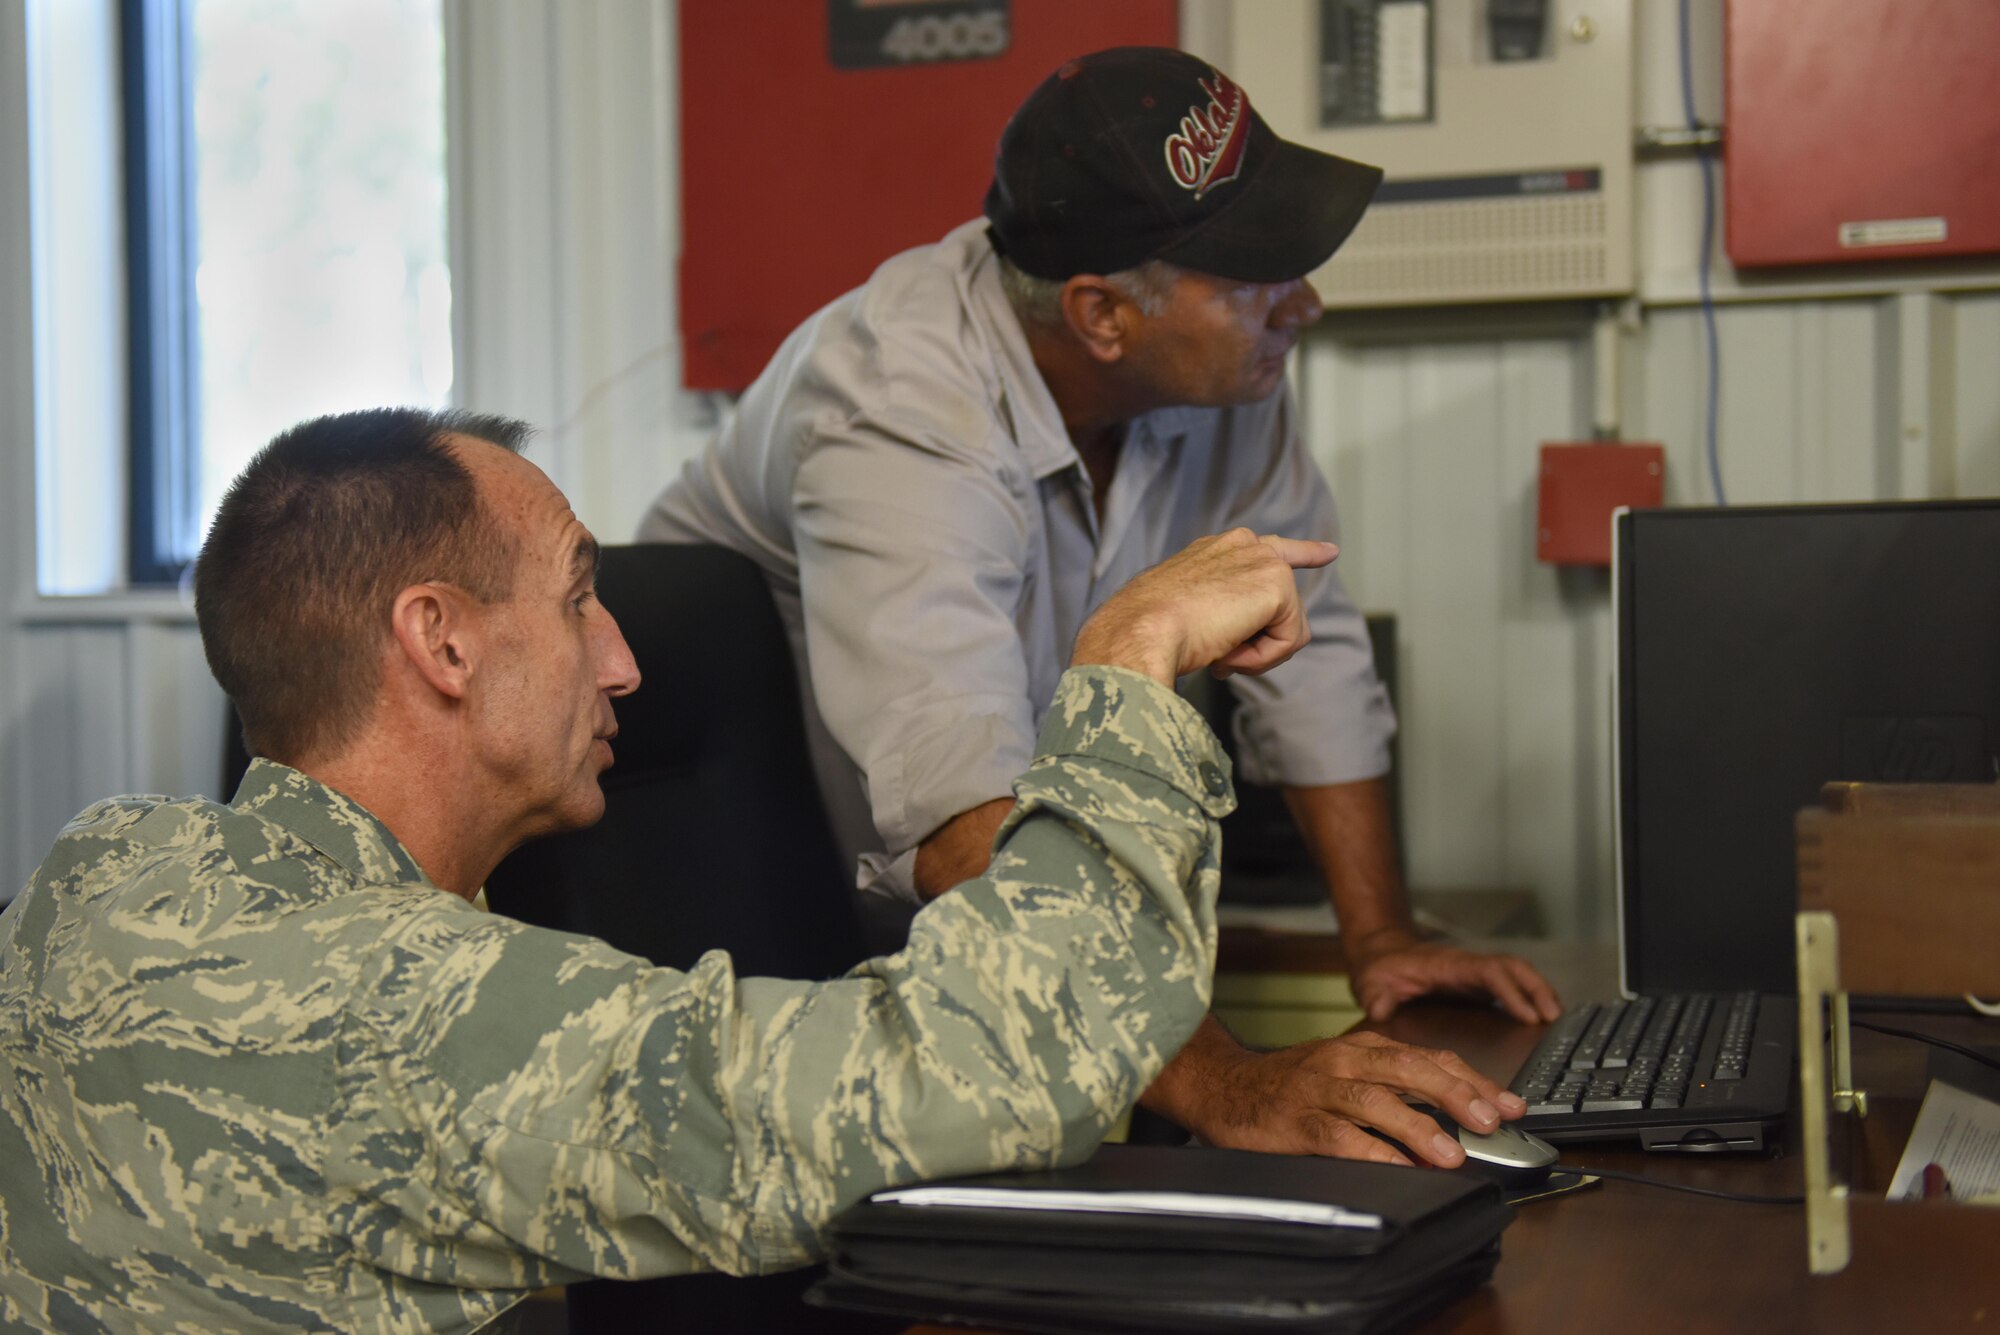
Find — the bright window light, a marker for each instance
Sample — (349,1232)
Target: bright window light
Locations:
(316,181)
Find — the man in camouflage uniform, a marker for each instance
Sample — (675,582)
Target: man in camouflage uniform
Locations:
(264,1066)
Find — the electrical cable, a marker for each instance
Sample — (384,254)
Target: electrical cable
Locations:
(1744,1198)
(589,398)
(1972,1054)
(1706,162)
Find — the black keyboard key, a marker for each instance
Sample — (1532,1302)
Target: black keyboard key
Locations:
(1565,1097)
(1551,1105)
(1611,1103)
(1564,1033)
(1549,1063)
(1686,1040)
(1591,1046)
(1539,1079)
(1660,1028)
(1625,1038)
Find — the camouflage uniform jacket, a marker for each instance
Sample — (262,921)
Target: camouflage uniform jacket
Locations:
(258,1073)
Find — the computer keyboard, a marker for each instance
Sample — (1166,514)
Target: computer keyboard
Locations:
(1652,1052)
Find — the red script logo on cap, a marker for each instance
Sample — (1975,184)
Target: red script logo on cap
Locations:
(1208,148)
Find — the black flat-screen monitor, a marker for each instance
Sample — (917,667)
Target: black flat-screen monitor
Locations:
(1764,651)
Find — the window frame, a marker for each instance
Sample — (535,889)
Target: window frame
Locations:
(162,348)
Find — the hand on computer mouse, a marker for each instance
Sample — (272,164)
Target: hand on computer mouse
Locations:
(1506,1155)
(1320,1096)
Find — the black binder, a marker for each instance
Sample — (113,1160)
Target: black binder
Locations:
(1245,1242)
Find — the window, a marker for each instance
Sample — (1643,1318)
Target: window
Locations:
(285,236)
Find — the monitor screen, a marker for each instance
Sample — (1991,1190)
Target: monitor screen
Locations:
(1764,651)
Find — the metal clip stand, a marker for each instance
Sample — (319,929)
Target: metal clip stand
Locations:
(1827,1243)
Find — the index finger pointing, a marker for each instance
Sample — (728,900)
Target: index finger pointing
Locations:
(1302,553)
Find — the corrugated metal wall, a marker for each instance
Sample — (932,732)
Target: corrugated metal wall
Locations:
(1506,663)
(103,707)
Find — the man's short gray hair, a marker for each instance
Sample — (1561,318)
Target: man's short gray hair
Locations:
(1038,301)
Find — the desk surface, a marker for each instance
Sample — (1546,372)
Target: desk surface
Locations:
(1639,1261)
(1630,1258)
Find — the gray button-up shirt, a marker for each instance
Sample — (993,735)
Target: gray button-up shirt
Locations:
(903,476)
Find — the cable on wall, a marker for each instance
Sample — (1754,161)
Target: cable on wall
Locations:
(1705,159)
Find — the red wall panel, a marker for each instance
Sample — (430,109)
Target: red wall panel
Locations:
(798,178)
(1861,129)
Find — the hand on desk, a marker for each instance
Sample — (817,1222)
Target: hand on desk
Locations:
(1388,968)
(1314,1098)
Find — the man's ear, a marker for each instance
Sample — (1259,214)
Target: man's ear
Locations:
(1099,315)
(435,634)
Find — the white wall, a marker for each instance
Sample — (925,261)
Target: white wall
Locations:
(1431,447)
(564,238)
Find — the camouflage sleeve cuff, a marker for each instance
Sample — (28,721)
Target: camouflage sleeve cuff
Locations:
(1125,717)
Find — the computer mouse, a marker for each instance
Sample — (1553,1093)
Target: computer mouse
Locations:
(1506,1155)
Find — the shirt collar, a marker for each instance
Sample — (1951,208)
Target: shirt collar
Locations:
(340,829)
(1037,422)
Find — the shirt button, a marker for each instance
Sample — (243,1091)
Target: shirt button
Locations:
(1211,778)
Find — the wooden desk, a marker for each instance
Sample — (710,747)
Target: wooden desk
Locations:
(1636,1260)
(1624,1258)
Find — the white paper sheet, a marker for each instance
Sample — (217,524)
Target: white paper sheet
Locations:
(1960,1133)
(1182,1203)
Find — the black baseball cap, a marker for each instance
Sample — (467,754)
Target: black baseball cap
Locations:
(1140,153)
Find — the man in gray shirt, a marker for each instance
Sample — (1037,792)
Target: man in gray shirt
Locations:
(944,471)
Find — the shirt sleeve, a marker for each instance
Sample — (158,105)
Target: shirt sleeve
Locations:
(523,1107)
(911,548)
(1324,716)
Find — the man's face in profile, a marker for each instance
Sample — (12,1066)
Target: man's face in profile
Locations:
(540,715)
(1218,343)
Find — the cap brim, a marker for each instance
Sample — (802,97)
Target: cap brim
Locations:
(1287,222)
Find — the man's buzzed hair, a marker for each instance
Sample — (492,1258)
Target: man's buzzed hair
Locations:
(311,545)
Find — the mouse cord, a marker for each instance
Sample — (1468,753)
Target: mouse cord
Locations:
(1643,1180)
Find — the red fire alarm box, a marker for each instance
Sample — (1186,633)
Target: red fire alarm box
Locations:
(1581,485)
(820,137)
(1861,130)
